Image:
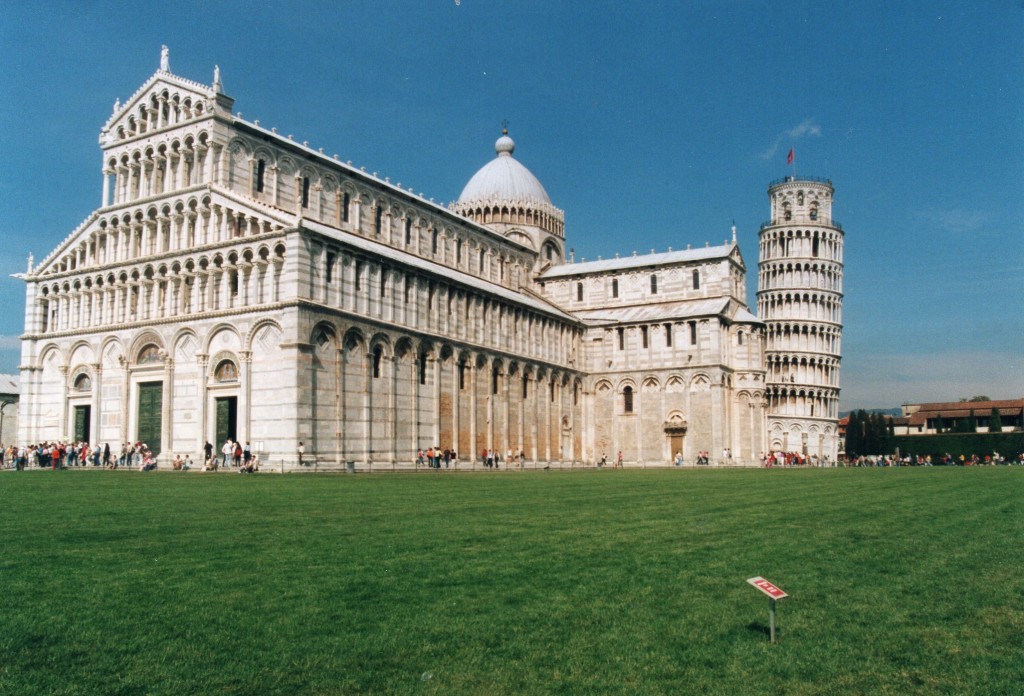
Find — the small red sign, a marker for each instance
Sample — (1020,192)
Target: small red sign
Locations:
(768,588)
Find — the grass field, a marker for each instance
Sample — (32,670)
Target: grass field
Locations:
(902,581)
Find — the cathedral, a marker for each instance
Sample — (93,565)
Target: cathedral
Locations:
(237,284)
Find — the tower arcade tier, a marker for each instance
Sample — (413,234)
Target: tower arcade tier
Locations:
(800,299)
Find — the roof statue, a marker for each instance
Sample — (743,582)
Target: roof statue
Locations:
(165,59)
(217,86)
(117,105)
(31,260)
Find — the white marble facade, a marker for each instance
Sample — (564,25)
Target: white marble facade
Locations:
(235,282)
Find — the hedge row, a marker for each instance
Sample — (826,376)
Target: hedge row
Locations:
(1007,444)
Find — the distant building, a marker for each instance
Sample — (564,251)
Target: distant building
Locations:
(928,419)
(9,388)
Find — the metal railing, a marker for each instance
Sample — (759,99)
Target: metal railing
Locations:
(799,179)
(802,220)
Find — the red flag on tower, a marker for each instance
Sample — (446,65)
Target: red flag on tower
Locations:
(789,157)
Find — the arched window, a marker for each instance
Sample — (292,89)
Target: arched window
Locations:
(149,355)
(739,338)
(627,399)
(83,383)
(579,292)
(226,372)
(346,199)
(408,231)
(378,353)
(787,214)
(696,279)
(433,242)
(261,167)
(654,285)
(615,287)
(305,192)
(814,211)
(377,220)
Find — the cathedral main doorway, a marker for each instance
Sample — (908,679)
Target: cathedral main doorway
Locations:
(150,415)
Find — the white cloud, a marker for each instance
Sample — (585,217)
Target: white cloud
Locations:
(956,220)
(807,128)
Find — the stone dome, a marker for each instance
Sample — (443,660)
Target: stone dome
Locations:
(504,179)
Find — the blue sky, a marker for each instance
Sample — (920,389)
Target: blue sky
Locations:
(651,124)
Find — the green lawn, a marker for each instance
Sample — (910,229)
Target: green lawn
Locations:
(902,581)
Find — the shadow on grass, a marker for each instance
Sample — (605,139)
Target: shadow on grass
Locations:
(763,629)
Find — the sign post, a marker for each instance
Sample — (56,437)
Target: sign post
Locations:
(773,593)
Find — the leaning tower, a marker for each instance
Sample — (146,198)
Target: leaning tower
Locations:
(800,299)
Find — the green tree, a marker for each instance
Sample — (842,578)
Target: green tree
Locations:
(855,434)
(995,422)
(965,424)
(980,397)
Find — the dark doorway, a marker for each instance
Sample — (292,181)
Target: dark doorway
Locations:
(151,403)
(227,419)
(83,423)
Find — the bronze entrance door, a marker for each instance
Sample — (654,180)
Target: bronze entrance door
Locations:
(83,421)
(150,415)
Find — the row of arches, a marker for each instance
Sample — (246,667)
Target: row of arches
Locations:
(525,212)
(380,396)
(782,244)
(238,277)
(811,439)
(775,305)
(401,294)
(177,225)
(179,162)
(803,402)
(802,337)
(655,417)
(803,370)
(160,387)
(160,109)
(779,276)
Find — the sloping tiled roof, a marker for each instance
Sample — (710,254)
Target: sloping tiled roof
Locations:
(978,406)
(664,258)
(10,384)
(654,312)
(921,417)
